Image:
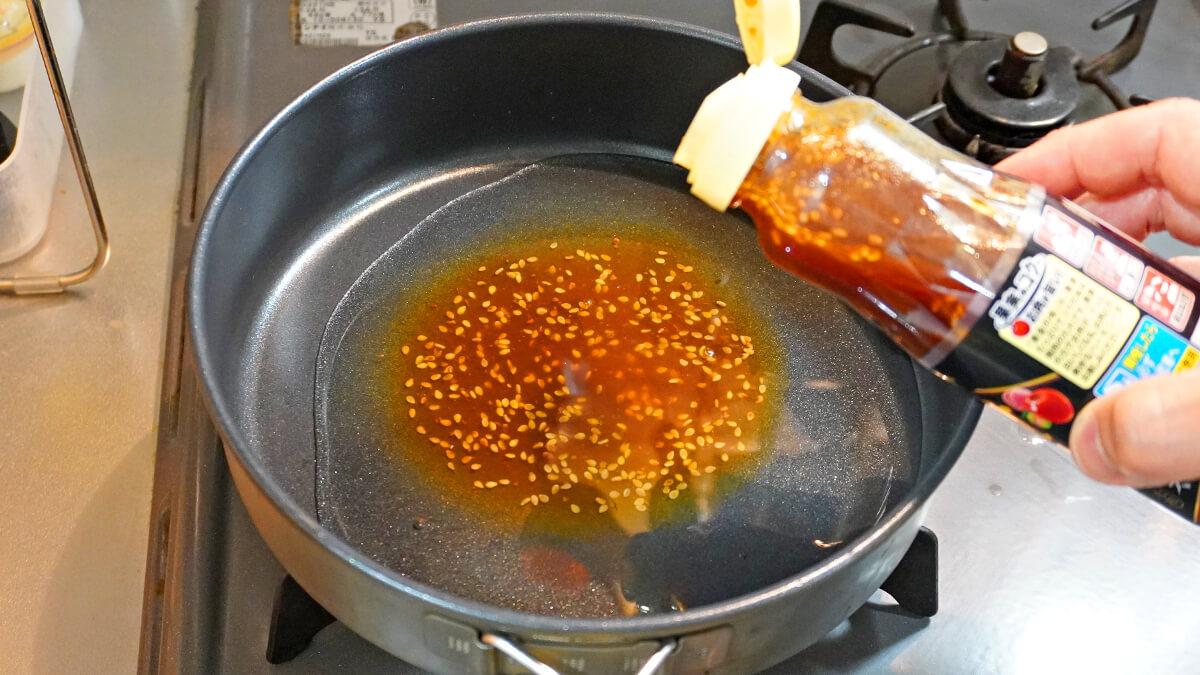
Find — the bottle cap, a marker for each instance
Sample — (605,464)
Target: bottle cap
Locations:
(770,29)
(730,129)
(734,121)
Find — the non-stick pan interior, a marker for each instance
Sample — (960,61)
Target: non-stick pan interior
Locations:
(843,448)
(354,164)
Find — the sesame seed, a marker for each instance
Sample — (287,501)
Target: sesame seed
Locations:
(557,375)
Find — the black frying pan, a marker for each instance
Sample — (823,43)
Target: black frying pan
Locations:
(401,160)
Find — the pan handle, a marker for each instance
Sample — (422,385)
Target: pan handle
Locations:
(517,654)
(510,649)
(56,283)
(652,664)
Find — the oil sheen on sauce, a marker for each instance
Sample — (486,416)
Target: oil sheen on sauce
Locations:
(592,377)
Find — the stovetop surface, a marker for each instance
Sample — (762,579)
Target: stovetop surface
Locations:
(1041,569)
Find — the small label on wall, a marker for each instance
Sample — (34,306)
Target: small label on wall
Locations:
(360,23)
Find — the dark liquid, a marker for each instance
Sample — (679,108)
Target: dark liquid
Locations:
(589,378)
(826,450)
(834,210)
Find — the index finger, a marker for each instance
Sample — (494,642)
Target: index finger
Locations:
(1155,145)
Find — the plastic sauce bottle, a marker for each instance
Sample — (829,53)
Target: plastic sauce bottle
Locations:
(1024,299)
(16,40)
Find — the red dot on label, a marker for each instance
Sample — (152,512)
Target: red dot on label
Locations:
(1021,328)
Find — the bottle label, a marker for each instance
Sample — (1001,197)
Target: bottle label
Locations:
(1085,312)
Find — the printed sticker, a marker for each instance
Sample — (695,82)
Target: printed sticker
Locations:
(1189,360)
(1165,299)
(1065,236)
(1153,349)
(360,23)
(1064,320)
(1114,267)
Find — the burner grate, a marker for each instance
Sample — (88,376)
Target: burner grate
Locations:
(999,95)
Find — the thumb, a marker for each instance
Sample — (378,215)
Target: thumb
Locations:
(1146,435)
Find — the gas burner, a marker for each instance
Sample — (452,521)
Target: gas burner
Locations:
(1000,93)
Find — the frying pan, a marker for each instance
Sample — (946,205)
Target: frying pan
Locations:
(396,164)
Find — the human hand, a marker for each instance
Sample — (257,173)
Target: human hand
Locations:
(1139,170)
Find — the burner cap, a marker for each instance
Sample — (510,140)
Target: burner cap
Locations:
(1028,43)
(1002,95)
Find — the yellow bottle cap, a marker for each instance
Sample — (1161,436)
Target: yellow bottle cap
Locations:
(770,29)
(735,120)
(730,129)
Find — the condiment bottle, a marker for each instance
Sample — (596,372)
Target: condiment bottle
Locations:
(1027,300)
(16,39)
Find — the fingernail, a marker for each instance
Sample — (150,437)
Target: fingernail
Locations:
(1088,450)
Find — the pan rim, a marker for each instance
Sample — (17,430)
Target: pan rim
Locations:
(234,439)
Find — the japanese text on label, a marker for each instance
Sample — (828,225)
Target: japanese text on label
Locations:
(1064,235)
(1153,349)
(361,23)
(1063,319)
(1114,267)
(1165,299)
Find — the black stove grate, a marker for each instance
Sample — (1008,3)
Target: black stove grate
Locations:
(981,108)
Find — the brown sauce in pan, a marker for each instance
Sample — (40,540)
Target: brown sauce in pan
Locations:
(591,377)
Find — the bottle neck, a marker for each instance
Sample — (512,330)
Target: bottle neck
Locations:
(913,236)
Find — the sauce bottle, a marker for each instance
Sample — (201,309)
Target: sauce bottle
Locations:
(1027,300)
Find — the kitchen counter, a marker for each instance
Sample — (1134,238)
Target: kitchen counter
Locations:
(79,372)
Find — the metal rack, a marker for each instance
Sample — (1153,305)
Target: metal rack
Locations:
(58,282)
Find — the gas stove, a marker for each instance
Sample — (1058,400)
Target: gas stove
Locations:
(986,77)
(986,93)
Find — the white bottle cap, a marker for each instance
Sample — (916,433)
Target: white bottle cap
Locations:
(734,121)
(730,129)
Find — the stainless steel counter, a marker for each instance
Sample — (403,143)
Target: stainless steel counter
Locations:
(1046,571)
(79,372)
